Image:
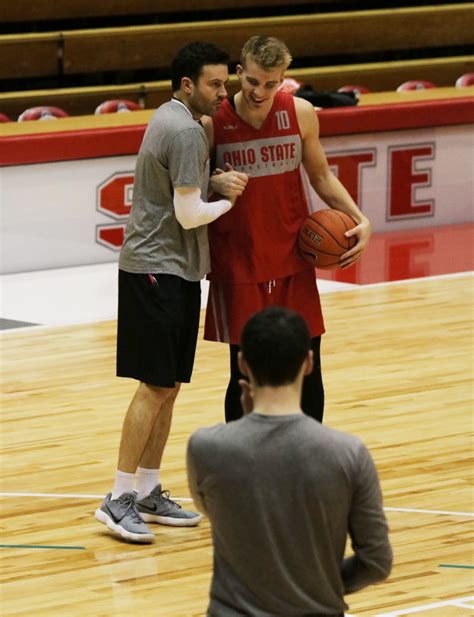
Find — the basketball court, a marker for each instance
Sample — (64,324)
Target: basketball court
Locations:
(397,362)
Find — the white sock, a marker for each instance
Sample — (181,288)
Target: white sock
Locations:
(123,483)
(147,479)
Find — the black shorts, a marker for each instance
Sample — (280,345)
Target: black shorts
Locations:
(158,322)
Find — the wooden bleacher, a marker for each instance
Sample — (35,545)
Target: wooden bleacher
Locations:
(311,35)
(29,55)
(315,35)
(49,10)
(70,56)
(379,76)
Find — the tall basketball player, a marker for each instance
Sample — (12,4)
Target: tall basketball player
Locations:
(268,135)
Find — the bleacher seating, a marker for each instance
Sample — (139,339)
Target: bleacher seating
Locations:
(46,10)
(378,48)
(29,55)
(379,76)
(314,35)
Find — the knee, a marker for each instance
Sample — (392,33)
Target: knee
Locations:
(156,395)
(173,392)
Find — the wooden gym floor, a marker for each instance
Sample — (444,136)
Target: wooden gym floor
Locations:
(397,363)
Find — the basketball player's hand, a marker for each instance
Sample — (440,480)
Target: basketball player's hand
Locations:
(228,183)
(362,232)
(246,396)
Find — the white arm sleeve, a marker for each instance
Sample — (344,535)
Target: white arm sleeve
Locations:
(192,212)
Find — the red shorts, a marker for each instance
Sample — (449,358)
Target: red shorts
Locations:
(230,306)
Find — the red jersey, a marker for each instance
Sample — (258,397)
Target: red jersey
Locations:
(256,240)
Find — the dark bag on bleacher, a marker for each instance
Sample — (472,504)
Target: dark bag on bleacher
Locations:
(324,99)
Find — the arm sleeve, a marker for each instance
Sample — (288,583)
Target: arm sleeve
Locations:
(192,459)
(192,212)
(368,529)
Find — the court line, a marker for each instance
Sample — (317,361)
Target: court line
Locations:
(77,548)
(449,565)
(188,499)
(345,288)
(417,609)
(419,511)
(73,496)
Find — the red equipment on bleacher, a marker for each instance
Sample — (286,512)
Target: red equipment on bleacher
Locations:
(465,80)
(415,84)
(116,106)
(42,113)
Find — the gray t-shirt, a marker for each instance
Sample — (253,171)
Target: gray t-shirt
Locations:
(282,494)
(174,153)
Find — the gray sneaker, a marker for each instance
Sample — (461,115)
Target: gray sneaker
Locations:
(159,508)
(121,516)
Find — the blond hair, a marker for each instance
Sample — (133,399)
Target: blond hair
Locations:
(266,51)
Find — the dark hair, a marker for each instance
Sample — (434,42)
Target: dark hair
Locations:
(274,343)
(189,61)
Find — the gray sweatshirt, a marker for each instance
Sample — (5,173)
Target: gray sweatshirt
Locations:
(283,493)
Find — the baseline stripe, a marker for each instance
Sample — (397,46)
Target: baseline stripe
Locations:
(416,510)
(72,496)
(427,607)
(68,548)
(448,565)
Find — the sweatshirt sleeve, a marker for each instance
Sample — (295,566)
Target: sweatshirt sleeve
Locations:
(368,529)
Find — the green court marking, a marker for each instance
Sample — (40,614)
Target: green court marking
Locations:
(448,565)
(67,548)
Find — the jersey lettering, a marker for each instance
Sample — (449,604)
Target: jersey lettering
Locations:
(262,157)
(283,120)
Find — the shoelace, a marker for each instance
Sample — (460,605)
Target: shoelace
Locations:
(130,502)
(166,496)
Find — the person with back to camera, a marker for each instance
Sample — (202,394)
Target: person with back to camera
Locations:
(270,136)
(164,256)
(283,492)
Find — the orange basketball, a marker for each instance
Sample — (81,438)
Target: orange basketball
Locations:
(321,240)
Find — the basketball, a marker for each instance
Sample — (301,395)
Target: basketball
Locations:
(321,240)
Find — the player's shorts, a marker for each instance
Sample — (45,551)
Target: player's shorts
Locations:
(229,306)
(158,322)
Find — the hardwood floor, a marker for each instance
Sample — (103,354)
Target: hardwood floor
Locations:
(398,367)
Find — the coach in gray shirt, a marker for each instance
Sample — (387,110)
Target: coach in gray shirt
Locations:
(164,256)
(283,492)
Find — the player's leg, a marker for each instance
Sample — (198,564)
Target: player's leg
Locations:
(228,308)
(146,424)
(154,504)
(312,397)
(119,510)
(154,447)
(300,293)
(233,407)
(149,333)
